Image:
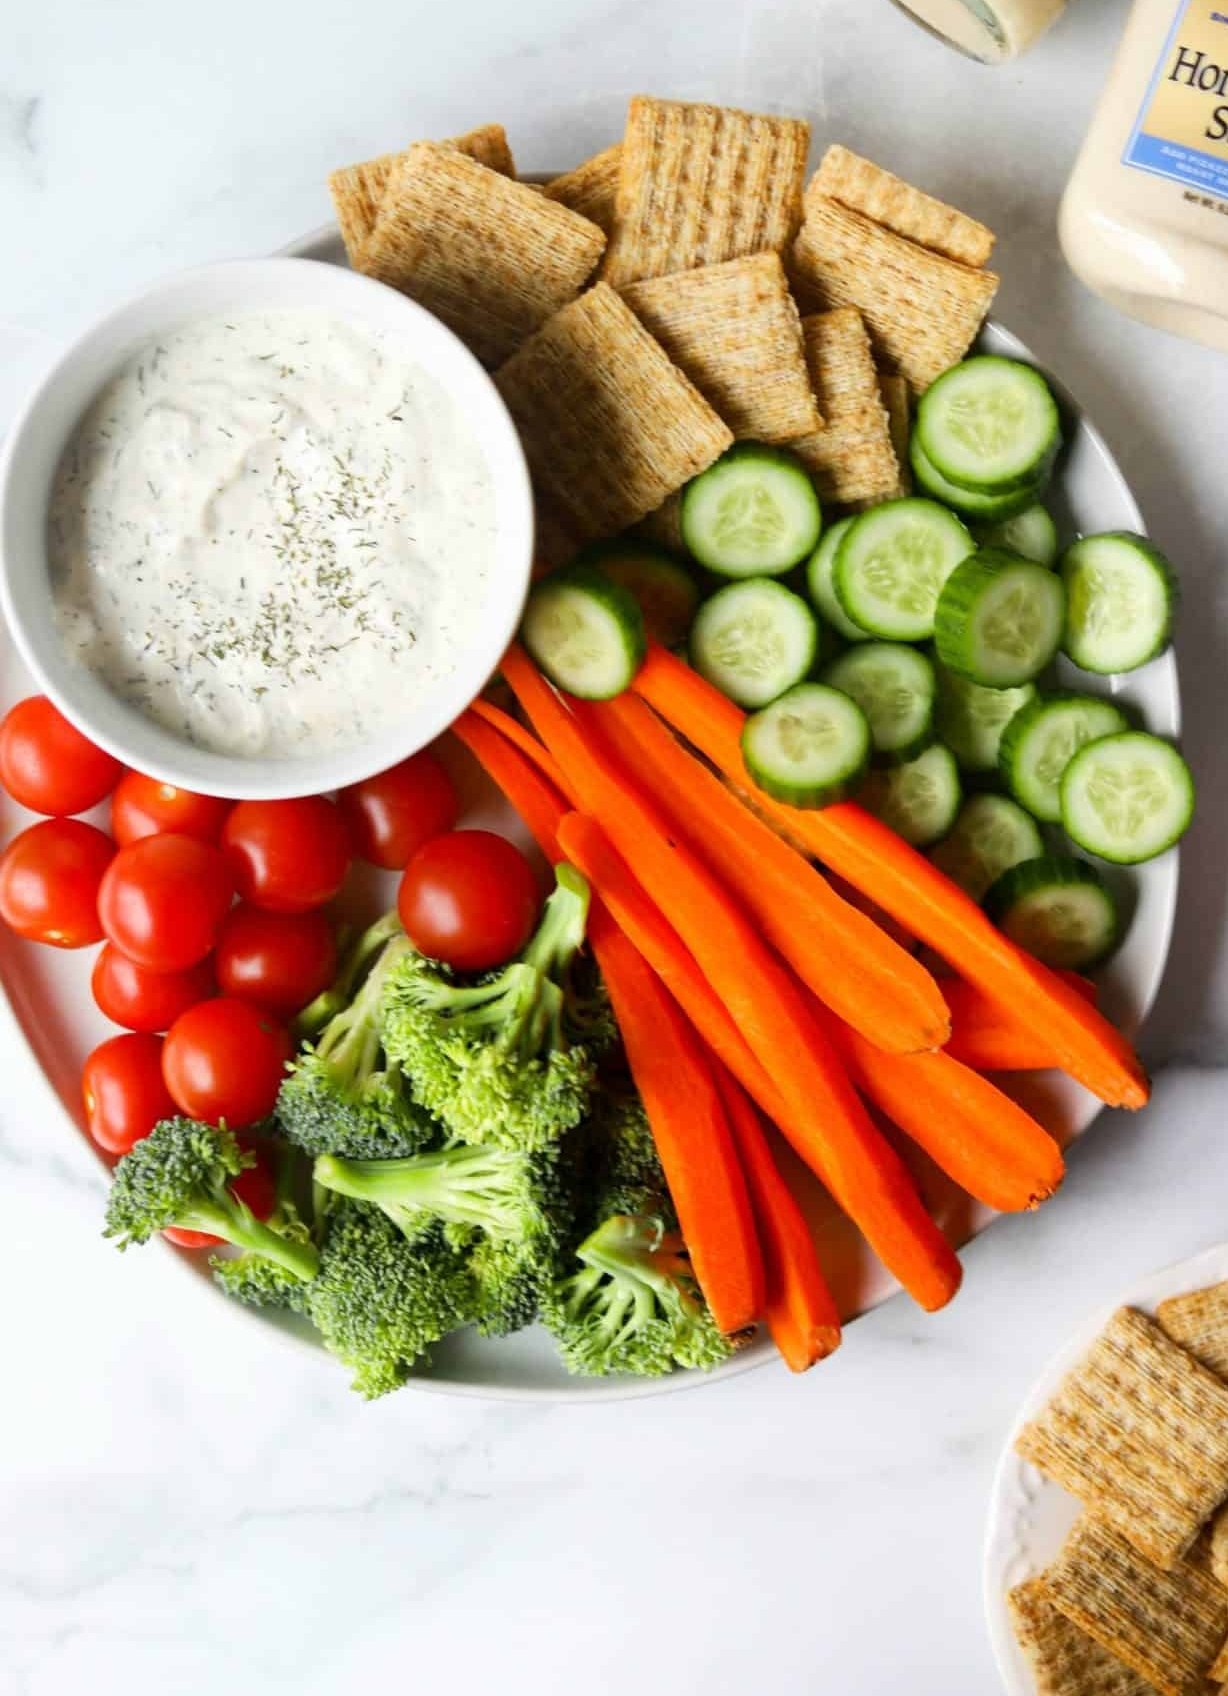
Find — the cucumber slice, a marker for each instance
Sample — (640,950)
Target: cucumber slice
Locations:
(970,719)
(1042,739)
(1058,909)
(892,563)
(991,834)
(822,590)
(1121,594)
(999,619)
(585,632)
(989,425)
(809,748)
(1031,534)
(1127,797)
(919,800)
(755,513)
(665,590)
(754,640)
(894,687)
(968,502)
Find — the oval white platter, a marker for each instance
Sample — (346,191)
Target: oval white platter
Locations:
(50,996)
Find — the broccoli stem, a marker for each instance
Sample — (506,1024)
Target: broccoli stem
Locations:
(357,961)
(560,936)
(237,1224)
(474,1185)
(351,1041)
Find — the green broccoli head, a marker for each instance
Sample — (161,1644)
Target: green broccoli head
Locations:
(625,1172)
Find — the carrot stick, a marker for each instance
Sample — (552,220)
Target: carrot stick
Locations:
(986,1036)
(515,732)
(799,1308)
(912,890)
(533,795)
(842,956)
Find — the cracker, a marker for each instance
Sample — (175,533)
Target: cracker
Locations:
(735,331)
(1168,1626)
(866,188)
(702,184)
(553,542)
(664,526)
(358,190)
(851,459)
(592,188)
(1217,1672)
(1138,1431)
(1064,1660)
(1199,1322)
(486,255)
(922,311)
(610,427)
(898,401)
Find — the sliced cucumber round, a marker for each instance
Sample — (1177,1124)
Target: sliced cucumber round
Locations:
(892,563)
(989,424)
(811,747)
(1058,909)
(1042,739)
(754,640)
(1031,534)
(665,590)
(918,800)
(894,687)
(821,589)
(755,513)
(999,619)
(1127,797)
(585,632)
(970,719)
(991,834)
(971,504)
(1121,594)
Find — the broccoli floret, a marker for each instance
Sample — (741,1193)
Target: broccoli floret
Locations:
(493,1060)
(342,1094)
(624,1169)
(254,1278)
(180,1175)
(380,1302)
(588,1017)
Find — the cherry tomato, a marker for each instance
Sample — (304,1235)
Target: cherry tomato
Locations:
(469,899)
(224,1059)
(47,765)
(390,816)
(142,1000)
(163,900)
(254,1187)
(124,1091)
(50,876)
(286,856)
(277,961)
(141,806)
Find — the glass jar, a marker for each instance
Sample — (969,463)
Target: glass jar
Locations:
(989,30)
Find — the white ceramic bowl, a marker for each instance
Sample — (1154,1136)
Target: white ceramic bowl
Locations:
(43,429)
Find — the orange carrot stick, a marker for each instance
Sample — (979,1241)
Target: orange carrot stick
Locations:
(986,1036)
(515,732)
(912,890)
(533,795)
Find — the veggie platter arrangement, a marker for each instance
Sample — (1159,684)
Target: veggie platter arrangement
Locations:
(828,842)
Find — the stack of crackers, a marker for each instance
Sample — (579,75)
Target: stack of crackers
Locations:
(679,291)
(1137,1600)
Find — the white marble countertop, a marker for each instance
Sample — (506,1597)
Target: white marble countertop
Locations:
(184,1507)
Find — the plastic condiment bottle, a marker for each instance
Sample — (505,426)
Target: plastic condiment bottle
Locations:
(1144,221)
(989,30)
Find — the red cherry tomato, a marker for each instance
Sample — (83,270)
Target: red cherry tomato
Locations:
(277,961)
(224,1059)
(286,856)
(124,1091)
(142,1000)
(469,899)
(254,1187)
(190,1239)
(163,899)
(391,815)
(141,806)
(50,877)
(47,765)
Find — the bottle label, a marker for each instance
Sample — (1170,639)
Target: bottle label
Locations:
(1182,130)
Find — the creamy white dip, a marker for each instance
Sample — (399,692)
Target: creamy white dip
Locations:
(271,533)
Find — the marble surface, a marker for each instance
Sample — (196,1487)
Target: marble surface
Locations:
(185,1505)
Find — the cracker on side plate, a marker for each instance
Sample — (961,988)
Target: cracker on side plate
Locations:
(1169,1626)
(867,188)
(592,188)
(1199,1322)
(485,254)
(1064,1660)
(851,458)
(923,311)
(1138,1431)
(610,426)
(702,184)
(358,190)
(897,398)
(735,331)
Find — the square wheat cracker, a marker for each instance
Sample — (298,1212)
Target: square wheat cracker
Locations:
(735,331)
(592,188)
(922,311)
(1138,1431)
(1063,1659)
(851,458)
(358,190)
(485,254)
(1199,1322)
(897,398)
(610,427)
(702,184)
(1168,1626)
(867,188)
(664,526)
